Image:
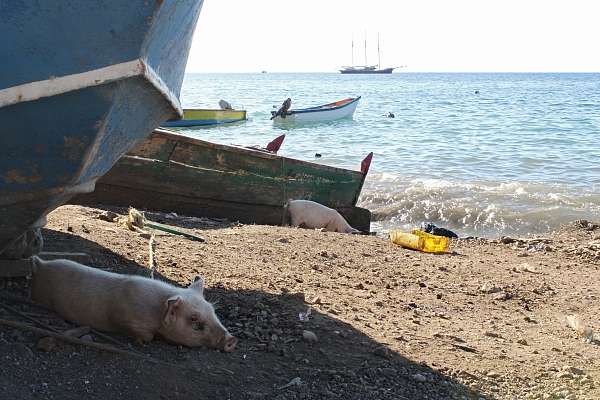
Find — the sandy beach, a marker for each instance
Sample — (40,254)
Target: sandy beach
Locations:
(485,321)
(235,179)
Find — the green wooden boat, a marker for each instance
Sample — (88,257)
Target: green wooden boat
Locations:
(171,172)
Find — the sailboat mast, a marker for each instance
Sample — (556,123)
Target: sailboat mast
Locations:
(366,49)
(378,53)
(352,52)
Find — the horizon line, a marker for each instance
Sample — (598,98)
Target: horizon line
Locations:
(395,73)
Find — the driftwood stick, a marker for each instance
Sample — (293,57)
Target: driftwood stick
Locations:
(35,321)
(69,339)
(100,346)
(450,342)
(136,219)
(107,337)
(29,318)
(152,256)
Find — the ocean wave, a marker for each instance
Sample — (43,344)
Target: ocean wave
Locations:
(488,209)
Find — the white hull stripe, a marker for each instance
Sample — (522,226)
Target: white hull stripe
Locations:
(63,84)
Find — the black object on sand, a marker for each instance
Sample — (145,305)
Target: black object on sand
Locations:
(435,230)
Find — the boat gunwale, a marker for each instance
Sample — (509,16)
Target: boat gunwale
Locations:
(220,117)
(243,150)
(318,109)
(217,112)
(212,109)
(186,123)
(138,67)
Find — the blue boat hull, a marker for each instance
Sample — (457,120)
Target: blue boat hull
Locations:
(83,82)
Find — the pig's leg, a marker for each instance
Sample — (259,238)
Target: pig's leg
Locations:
(296,220)
(332,225)
(133,324)
(143,336)
(337,223)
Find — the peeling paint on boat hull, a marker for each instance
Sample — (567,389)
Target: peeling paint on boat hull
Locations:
(72,104)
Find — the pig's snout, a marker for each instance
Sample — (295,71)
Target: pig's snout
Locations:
(229,343)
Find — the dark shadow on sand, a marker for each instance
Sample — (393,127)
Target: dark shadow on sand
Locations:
(343,364)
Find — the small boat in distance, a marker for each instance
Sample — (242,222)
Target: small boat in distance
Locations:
(367,69)
(206,117)
(327,112)
(362,69)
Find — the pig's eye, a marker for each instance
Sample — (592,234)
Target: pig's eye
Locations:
(196,325)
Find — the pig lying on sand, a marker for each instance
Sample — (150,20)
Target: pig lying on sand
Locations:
(314,215)
(133,305)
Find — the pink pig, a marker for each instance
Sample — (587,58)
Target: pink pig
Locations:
(133,305)
(313,215)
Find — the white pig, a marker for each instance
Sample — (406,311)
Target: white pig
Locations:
(133,305)
(313,215)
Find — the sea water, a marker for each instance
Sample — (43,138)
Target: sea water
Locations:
(481,154)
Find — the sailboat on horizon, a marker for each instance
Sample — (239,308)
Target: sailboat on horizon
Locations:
(367,69)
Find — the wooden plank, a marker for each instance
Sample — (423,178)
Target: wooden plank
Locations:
(226,159)
(199,153)
(237,186)
(155,176)
(179,138)
(333,188)
(155,147)
(183,205)
(223,172)
(321,169)
(339,194)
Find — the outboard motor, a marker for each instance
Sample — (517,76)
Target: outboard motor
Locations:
(225,105)
(287,104)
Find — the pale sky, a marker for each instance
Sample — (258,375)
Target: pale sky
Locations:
(424,35)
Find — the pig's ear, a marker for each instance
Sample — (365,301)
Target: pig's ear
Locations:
(173,305)
(198,284)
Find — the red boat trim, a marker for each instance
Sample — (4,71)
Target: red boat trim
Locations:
(275,144)
(364,168)
(366,163)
